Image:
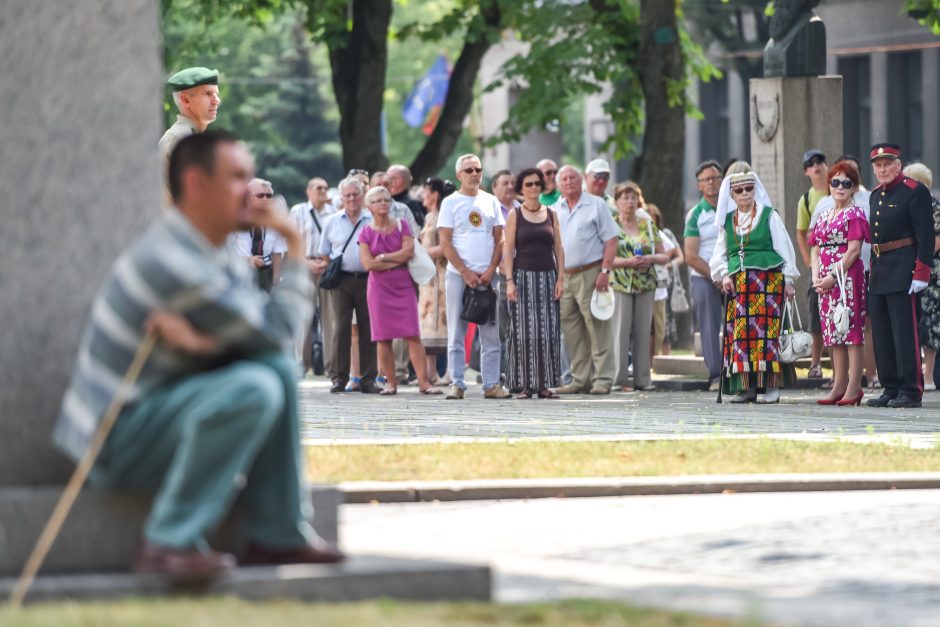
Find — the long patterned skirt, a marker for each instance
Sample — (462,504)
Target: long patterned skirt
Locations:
(752,331)
(534,332)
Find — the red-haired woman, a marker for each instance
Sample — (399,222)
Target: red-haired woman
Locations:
(837,244)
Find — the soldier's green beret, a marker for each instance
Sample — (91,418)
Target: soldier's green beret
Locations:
(193,77)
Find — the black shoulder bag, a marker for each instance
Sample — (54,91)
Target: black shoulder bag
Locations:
(330,278)
(479,304)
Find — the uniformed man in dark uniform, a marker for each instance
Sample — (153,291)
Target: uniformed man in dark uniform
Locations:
(902,252)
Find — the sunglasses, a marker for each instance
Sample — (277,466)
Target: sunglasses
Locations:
(532,184)
(813,161)
(472,170)
(742,189)
(844,183)
(602,175)
(264,195)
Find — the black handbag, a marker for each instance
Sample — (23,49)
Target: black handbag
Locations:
(479,304)
(331,275)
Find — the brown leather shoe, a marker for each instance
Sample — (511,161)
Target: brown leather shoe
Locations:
(317,552)
(182,565)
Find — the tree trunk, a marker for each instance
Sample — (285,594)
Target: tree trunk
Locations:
(459,99)
(358,61)
(659,169)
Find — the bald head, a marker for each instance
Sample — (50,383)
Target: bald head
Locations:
(399,179)
(549,169)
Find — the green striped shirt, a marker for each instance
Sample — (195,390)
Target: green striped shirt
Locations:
(173,267)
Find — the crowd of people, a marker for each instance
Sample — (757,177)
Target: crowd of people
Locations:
(584,284)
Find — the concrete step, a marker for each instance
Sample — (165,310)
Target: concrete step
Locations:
(685,365)
(103,529)
(360,578)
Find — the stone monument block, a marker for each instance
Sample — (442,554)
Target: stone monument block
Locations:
(80,179)
(790,115)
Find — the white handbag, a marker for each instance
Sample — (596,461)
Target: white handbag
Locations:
(839,314)
(679,302)
(794,343)
(421,266)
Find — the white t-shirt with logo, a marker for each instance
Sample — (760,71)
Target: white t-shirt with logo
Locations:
(473,219)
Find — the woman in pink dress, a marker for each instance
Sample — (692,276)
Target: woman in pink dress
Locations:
(837,244)
(385,246)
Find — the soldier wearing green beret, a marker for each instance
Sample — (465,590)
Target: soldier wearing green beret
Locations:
(196,94)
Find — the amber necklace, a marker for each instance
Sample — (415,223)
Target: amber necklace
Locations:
(747,236)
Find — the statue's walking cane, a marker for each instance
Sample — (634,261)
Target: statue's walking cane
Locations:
(74,486)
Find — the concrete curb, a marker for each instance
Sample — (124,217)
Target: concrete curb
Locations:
(504,489)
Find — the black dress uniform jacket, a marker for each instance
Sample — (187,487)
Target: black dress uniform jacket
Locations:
(898,210)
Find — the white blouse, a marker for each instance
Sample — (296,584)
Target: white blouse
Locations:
(783,246)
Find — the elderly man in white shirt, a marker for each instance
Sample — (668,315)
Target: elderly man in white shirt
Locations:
(262,249)
(589,235)
(471,232)
(309,218)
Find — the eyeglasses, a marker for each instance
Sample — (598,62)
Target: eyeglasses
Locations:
(356,171)
(549,172)
(814,161)
(844,183)
(472,170)
(532,184)
(601,175)
(264,195)
(709,179)
(742,189)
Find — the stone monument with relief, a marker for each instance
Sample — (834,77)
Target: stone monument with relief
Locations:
(794,108)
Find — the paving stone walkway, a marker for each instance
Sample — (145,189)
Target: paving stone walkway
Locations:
(355,417)
(852,559)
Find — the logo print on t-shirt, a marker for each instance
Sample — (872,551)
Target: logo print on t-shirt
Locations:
(475,218)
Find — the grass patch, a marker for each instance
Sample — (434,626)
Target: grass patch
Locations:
(531,460)
(236,613)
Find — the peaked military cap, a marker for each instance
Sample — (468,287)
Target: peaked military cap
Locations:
(891,151)
(193,77)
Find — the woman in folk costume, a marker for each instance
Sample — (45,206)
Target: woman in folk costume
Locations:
(755,264)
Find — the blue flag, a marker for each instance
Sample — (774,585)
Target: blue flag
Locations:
(430,92)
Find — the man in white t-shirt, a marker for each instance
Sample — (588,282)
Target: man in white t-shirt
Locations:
(470,227)
(262,249)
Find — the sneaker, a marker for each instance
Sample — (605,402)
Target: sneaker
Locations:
(497,391)
(714,384)
(454,393)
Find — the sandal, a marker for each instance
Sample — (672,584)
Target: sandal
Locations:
(431,391)
(353,385)
(546,393)
(389,392)
(524,395)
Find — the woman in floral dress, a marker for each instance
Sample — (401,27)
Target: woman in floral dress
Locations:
(431,298)
(837,244)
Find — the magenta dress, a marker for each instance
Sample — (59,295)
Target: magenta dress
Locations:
(391,296)
(832,236)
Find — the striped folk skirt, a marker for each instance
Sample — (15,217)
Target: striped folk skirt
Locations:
(534,332)
(753,320)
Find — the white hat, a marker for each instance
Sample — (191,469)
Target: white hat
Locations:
(602,304)
(598,165)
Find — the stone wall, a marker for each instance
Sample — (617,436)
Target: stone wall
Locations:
(80,92)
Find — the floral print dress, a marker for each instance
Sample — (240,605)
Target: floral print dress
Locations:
(929,327)
(832,234)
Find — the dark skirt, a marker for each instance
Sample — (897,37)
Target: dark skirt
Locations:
(753,319)
(534,332)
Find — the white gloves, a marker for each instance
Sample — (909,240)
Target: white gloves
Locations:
(917,287)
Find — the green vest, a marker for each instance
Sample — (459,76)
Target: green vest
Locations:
(759,253)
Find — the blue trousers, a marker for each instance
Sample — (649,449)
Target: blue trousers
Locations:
(199,441)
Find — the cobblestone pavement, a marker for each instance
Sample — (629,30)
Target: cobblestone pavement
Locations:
(853,559)
(411,417)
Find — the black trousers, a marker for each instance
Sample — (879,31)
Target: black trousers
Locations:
(349,296)
(897,350)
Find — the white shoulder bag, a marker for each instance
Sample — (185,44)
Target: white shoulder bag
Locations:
(839,312)
(421,266)
(794,343)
